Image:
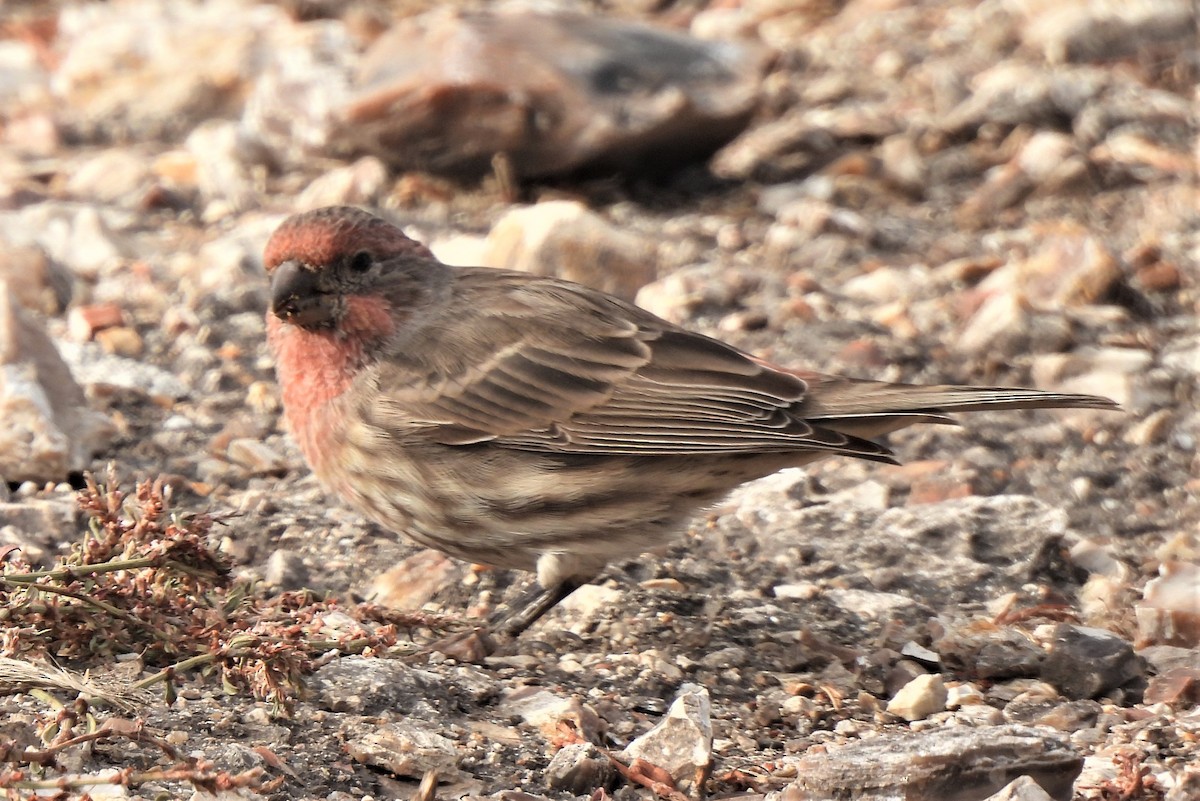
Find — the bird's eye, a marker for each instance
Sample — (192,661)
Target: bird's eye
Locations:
(361,261)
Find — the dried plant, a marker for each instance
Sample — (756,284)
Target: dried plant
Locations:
(145,584)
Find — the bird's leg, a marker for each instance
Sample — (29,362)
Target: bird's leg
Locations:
(507,624)
(513,620)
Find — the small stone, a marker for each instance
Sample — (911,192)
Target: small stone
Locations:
(1072,268)
(563,238)
(546,711)
(258,458)
(1159,277)
(263,397)
(286,570)
(120,341)
(940,763)
(960,695)
(578,769)
(803,591)
(1022,789)
(979,715)
(920,698)
(84,321)
(1169,612)
(1150,430)
(37,526)
(1178,688)
(1005,324)
(406,749)
(413,581)
(357,184)
(1097,558)
(1116,373)
(361,685)
(1048,162)
(587,602)
(920,653)
(222,175)
(1034,710)
(47,429)
(1086,663)
(109,176)
(681,744)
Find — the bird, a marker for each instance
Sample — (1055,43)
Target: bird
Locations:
(532,423)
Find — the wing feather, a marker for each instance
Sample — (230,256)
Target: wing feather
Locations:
(569,370)
(595,376)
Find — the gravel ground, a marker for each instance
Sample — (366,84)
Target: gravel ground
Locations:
(1000,193)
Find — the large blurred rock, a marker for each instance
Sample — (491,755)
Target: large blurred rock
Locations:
(46,427)
(448,92)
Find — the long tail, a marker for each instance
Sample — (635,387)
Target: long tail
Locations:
(871,408)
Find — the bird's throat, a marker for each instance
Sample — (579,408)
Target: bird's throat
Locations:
(316,367)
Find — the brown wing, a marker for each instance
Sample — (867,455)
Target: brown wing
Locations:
(542,365)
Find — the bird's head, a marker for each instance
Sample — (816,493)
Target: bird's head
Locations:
(342,269)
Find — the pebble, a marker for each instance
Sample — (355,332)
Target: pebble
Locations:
(578,769)
(1169,612)
(919,698)
(546,711)
(562,238)
(1087,663)
(681,744)
(47,428)
(286,571)
(1023,789)
(406,749)
(938,763)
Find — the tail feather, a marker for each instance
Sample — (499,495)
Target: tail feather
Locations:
(868,408)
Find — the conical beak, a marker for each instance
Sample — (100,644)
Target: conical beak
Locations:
(295,298)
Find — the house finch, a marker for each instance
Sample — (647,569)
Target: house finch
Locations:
(528,422)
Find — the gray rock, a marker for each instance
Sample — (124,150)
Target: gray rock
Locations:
(1010,656)
(286,570)
(579,768)
(406,749)
(547,711)
(360,685)
(1086,663)
(958,764)
(37,526)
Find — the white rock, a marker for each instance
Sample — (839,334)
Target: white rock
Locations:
(920,698)
(1170,612)
(564,239)
(681,743)
(1022,789)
